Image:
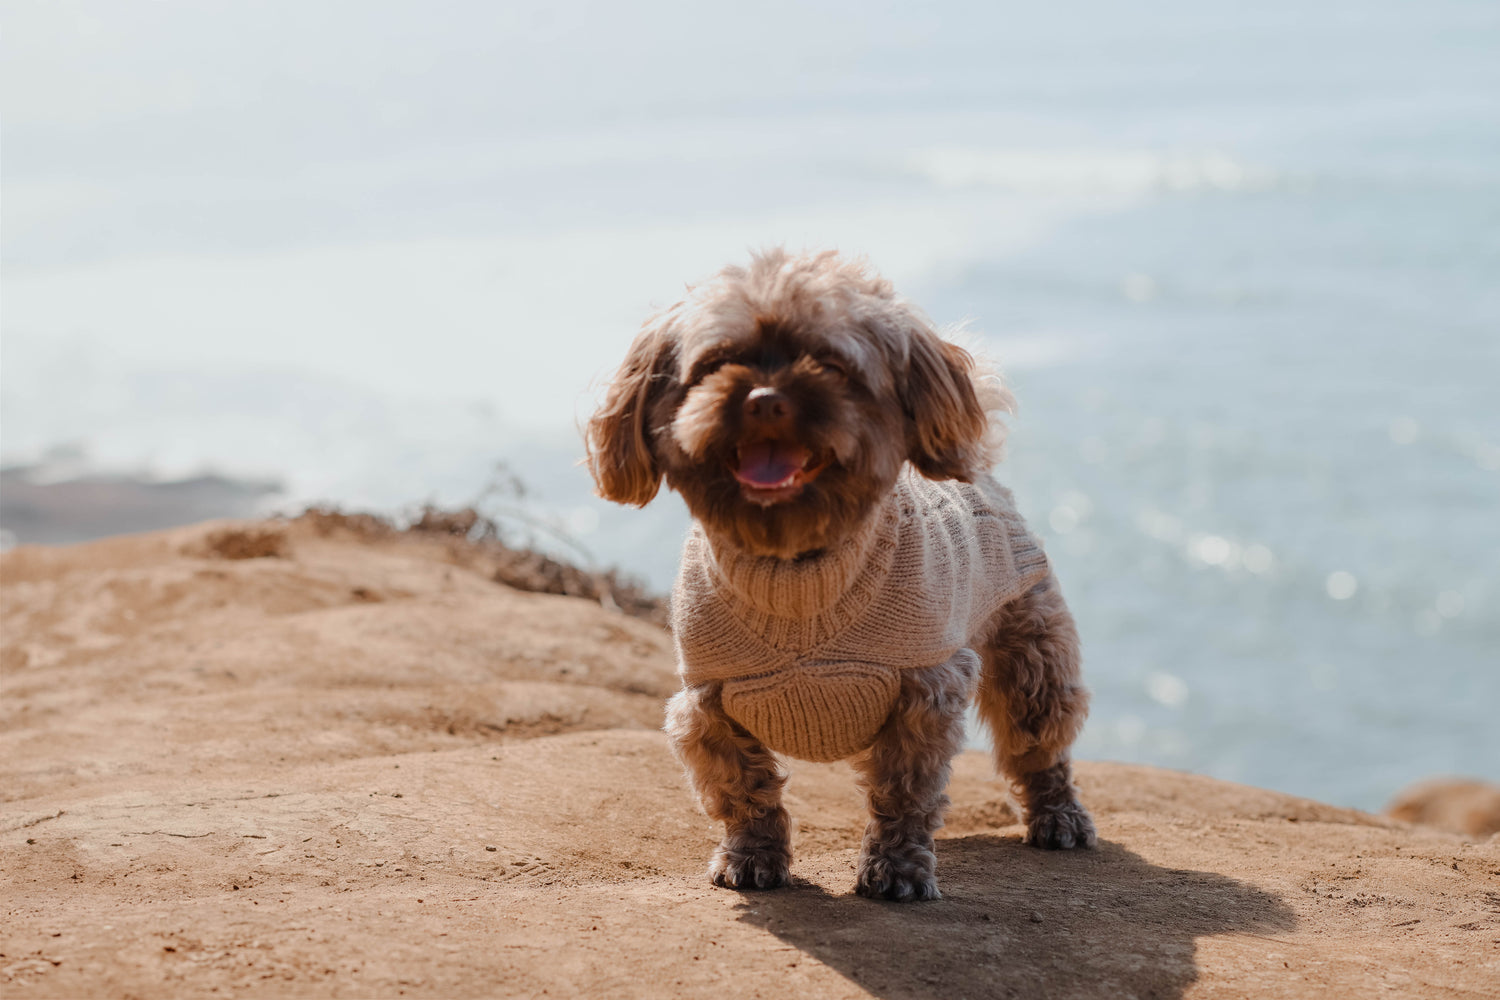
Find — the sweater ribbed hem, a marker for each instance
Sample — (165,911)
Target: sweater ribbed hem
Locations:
(823,711)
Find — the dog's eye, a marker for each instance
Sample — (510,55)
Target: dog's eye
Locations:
(703,369)
(833,367)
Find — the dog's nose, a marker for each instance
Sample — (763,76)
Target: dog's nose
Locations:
(767,406)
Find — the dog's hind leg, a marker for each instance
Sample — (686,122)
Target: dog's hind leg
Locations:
(738,781)
(905,777)
(1033,701)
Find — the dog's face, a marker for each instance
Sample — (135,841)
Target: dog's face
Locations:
(781,401)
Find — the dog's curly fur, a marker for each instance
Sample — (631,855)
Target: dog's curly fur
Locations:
(838,382)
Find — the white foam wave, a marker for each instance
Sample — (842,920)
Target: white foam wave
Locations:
(1088,172)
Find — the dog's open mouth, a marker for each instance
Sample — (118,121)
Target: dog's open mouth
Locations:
(771,471)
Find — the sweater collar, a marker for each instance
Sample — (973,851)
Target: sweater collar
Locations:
(797,588)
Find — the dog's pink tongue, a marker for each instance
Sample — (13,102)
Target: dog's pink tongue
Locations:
(769,463)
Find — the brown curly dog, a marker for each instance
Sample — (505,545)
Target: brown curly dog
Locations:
(853,576)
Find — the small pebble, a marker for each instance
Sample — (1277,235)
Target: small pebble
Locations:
(491,847)
(1036,917)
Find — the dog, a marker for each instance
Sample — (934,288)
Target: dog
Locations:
(854,576)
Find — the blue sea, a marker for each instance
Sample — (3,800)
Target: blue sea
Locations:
(1240,264)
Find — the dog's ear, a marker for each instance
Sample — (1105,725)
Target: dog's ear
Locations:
(945,423)
(621,458)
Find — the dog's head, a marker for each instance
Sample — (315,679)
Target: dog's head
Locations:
(781,400)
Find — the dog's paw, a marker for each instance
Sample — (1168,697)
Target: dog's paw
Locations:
(763,868)
(904,879)
(1061,828)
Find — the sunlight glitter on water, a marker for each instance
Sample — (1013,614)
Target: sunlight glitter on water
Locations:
(1167,689)
(1341,585)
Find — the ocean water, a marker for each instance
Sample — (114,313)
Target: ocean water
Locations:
(1239,266)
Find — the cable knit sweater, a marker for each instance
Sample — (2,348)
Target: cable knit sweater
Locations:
(810,650)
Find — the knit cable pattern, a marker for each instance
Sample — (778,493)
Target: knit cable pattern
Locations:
(810,649)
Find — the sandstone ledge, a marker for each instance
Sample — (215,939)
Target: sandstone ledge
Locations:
(361,768)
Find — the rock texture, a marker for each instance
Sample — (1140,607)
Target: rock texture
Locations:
(271,760)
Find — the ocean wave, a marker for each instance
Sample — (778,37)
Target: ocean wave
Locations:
(1089,172)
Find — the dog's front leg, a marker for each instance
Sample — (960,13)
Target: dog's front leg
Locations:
(905,777)
(738,781)
(1034,702)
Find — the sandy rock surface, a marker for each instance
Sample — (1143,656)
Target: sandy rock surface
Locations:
(1458,805)
(358,767)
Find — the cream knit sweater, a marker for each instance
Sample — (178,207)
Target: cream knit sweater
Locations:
(810,650)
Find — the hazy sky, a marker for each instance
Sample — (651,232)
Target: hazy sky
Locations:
(480,201)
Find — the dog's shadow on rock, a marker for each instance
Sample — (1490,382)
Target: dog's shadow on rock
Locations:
(1018,922)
